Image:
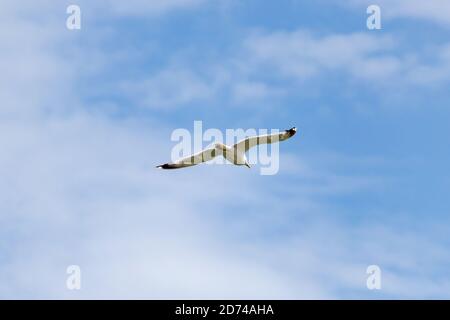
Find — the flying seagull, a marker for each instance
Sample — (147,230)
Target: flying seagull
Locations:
(235,154)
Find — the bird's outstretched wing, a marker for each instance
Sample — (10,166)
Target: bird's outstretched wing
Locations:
(247,143)
(192,160)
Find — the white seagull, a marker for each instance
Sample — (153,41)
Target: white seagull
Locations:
(235,154)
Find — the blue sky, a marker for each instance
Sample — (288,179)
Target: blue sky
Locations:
(87,114)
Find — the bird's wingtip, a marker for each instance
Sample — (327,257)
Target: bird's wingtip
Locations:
(292,131)
(166,166)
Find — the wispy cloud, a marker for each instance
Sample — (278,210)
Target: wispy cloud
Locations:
(78,186)
(300,54)
(170,88)
(268,66)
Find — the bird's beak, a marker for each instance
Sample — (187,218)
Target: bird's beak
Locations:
(248,166)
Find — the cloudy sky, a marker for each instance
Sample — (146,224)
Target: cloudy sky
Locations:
(85,115)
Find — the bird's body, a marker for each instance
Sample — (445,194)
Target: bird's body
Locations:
(234,154)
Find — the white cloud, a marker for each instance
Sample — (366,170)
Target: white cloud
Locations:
(170,88)
(270,65)
(366,59)
(79,187)
(30,69)
(302,55)
(245,91)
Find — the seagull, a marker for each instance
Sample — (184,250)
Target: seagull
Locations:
(235,154)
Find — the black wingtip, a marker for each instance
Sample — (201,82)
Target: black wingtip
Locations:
(292,131)
(169,166)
